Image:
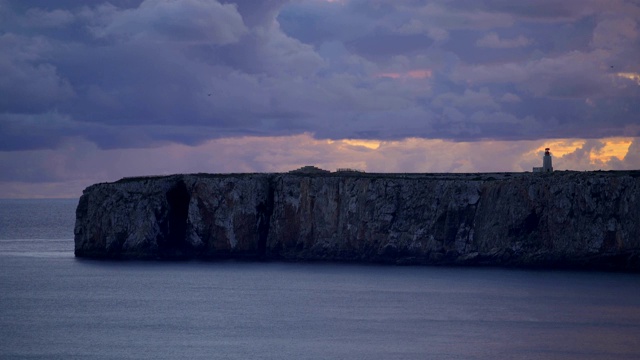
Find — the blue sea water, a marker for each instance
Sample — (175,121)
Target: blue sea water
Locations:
(54,306)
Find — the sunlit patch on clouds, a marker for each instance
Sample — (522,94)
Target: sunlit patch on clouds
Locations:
(600,151)
(369,144)
(631,76)
(560,147)
(66,171)
(611,148)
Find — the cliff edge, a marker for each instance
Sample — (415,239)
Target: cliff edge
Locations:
(564,219)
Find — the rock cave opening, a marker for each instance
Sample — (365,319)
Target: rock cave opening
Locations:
(175,244)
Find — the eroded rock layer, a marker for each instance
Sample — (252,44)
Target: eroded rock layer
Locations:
(564,219)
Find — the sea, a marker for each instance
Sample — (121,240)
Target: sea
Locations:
(55,306)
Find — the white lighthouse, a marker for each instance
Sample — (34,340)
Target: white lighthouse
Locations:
(547,166)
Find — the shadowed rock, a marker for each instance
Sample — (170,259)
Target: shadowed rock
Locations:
(567,219)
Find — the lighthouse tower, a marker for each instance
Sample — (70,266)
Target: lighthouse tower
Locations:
(546,161)
(547,166)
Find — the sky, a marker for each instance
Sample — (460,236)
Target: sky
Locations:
(93,91)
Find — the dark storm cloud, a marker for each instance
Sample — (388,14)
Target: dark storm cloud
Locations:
(257,12)
(383,45)
(143,73)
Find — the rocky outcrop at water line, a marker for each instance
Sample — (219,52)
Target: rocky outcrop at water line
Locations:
(564,219)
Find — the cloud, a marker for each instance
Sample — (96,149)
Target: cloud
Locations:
(216,69)
(258,12)
(510,98)
(185,22)
(570,75)
(77,163)
(492,40)
(36,17)
(630,76)
(128,75)
(34,131)
(411,74)
(469,99)
(615,33)
(27,84)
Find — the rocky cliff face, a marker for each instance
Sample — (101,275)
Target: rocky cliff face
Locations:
(589,220)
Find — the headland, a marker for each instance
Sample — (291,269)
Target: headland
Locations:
(564,219)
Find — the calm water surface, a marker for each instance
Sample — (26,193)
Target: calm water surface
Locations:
(53,306)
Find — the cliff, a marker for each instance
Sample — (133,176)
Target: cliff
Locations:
(564,219)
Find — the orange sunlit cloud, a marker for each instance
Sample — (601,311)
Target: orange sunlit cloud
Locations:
(560,147)
(630,75)
(613,148)
(369,144)
(82,163)
(608,149)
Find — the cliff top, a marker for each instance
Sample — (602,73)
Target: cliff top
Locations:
(479,175)
(485,176)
